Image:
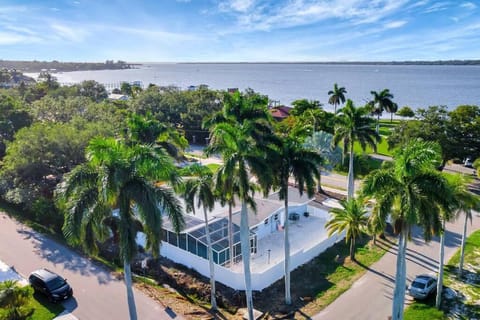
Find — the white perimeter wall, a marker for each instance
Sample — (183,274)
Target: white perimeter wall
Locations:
(260,280)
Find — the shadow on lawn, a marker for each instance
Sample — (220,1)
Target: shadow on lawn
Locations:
(54,308)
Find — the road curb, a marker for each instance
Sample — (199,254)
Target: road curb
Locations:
(65,315)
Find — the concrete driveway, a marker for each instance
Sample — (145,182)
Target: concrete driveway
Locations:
(370,298)
(97,294)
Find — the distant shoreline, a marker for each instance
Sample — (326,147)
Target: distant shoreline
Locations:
(402,63)
(57,66)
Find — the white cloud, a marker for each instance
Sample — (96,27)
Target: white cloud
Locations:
(257,15)
(10,38)
(19,29)
(74,34)
(469,5)
(438,6)
(236,5)
(152,34)
(395,24)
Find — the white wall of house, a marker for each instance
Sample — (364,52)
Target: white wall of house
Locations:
(260,280)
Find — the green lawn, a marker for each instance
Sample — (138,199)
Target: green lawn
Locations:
(44,310)
(468,286)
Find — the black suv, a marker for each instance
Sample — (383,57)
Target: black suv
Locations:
(50,284)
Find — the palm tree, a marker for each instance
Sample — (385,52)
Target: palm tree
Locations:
(353,125)
(119,176)
(337,96)
(201,190)
(351,219)
(411,192)
(464,201)
(391,108)
(467,203)
(241,133)
(294,160)
(227,186)
(321,141)
(148,130)
(381,101)
(15,300)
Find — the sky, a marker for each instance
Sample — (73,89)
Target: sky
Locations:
(239,30)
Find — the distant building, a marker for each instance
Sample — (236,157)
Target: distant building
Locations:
(280,112)
(118,97)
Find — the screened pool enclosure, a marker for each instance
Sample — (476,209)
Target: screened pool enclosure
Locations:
(194,240)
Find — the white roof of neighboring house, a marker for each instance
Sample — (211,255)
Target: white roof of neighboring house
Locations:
(117,96)
(8,273)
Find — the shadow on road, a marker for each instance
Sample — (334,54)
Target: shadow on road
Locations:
(381,274)
(71,304)
(61,255)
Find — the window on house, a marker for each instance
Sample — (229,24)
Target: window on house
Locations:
(266,221)
(275,217)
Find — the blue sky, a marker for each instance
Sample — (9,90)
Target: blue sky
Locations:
(239,30)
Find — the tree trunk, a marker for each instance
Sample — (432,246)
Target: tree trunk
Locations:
(352,249)
(230,234)
(350,173)
(400,276)
(438,301)
(288,298)
(462,252)
(132,309)
(378,123)
(319,183)
(391,117)
(213,300)
(245,243)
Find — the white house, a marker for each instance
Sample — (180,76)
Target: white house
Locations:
(308,239)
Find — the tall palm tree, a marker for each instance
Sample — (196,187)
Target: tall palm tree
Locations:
(353,125)
(123,177)
(391,108)
(381,101)
(411,192)
(200,189)
(294,160)
(337,96)
(464,201)
(241,133)
(467,203)
(351,218)
(227,187)
(321,141)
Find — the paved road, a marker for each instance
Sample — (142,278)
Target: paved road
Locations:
(370,298)
(97,295)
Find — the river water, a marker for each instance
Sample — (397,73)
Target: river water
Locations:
(417,86)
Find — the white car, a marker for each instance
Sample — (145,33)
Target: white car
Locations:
(422,286)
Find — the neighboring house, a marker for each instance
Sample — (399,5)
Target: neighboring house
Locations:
(118,96)
(280,112)
(307,233)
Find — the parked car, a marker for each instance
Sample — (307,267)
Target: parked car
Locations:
(422,286)
(468,163)
(50,284)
